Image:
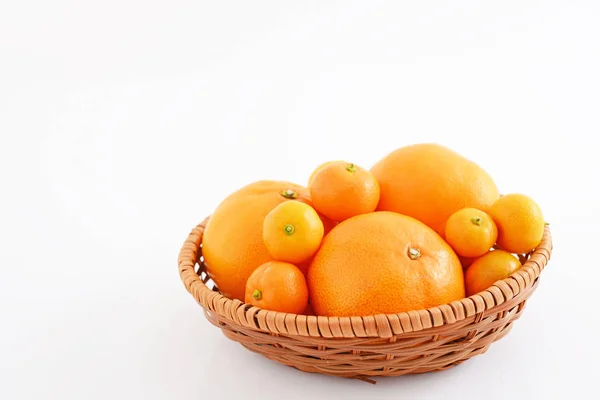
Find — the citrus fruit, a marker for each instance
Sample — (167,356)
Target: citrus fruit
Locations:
(277,286)
(312,175)
(520,223)
(342,190)
(292,231)
(470,232)
(488,269)
(328,226)
(232,244)
(430,182)
(383,262)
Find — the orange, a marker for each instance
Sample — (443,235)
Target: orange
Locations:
(277,286)
(383,262)
(471,232)
(292,232)
(328,226)
(520,223)
(320,167)
(430,182)
(488,269)
(342,190)
(233,245)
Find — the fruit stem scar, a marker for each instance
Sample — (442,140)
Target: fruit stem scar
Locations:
(289,229)
(257,294)
(351,168)
(289,194)
(414,253)
(476,221)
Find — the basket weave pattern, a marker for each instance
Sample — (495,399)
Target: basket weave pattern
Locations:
(380,345)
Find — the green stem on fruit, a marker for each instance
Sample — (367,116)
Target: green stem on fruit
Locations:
(414,253)
(289,229)
(476,221)
(351,168)
(257,294)
(289,194)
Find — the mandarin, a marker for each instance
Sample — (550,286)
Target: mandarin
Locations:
(488,269)
(520,223)
(277,286)
(341,190)
(292,232)
(470,232)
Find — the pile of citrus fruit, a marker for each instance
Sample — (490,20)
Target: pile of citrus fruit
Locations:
(423,227)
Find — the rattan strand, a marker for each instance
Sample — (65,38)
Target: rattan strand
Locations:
(380,345)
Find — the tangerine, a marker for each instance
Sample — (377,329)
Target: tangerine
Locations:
(488,269)
(341,190)
(320,167)
(520,223)
(277,286)
(292,232)
(470,232)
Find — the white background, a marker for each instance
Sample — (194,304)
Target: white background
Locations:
(123,124)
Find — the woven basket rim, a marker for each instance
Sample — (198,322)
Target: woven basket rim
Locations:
(501,296)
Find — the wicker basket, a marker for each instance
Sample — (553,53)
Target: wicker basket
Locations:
(379,345)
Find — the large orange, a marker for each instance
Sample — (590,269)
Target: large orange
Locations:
(430,182)
(233,245)
(383,262)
